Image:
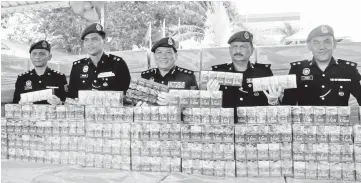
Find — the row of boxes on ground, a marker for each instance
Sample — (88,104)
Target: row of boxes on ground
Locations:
(65,143)
(208,167)
(263,152)
(207,133)
(209,151)
(41,111)
(156,164)
(263,133)
(224,116)
(324,170)
(121,162)
(322,133)
(296,114)
(156,148)
(335,152)
(262,168)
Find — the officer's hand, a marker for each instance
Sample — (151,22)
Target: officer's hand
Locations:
(142,104)
(273,94)
(163,98)
(54,100)
(213,85)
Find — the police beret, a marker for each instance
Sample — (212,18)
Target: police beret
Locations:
(322,30)
(241,36)
(40,45)
(93,28)
(165,42)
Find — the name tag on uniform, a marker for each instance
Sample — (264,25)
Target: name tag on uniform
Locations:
(176,84)
(306,78)
(339,79)
(52,87)
(83,75)
(106,74)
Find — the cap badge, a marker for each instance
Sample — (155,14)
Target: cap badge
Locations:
(246,35)
(98,27)
(85,68)
(306,71)
(170,42)
(324,29)
(28,83)
(44,44)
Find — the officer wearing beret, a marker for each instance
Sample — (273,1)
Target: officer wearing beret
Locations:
(241,49)
(100,71)
(41,77)
(167,73)
(324,80)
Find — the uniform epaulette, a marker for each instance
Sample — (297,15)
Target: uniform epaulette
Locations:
(221,66)
(297,63)
(186,71)
(79,61)
(262,65)
(148,71)
(26,72)
(57,72)
(345,62)
(115,58)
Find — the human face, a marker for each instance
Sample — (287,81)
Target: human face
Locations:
(93,43)
(165,58)
(322,48)
(40,57)
(240,51)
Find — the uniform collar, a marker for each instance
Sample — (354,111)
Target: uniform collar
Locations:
(249,66)
(333,62)
(101,60)
(171,71)
(47,72)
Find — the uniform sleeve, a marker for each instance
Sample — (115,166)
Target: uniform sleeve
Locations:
(73,88)
(356,83)
(123,76)
(17,91)
(290,95)
(62,88)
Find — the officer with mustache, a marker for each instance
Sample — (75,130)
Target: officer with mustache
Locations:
(324,80)
(165,55)
(241,49)
(100,71)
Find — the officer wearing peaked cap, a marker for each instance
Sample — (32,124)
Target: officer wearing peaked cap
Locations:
(41,77)
(167,73)
(324,80)
(241,49)
(100,71)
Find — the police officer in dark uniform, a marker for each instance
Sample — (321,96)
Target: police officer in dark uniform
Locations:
(167,73)
(241,49)
(324,80)
(41,77)
(100,71)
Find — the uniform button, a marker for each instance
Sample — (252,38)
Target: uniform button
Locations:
(39,81)
(162,82)
(241,99)
(306,86)
(83,81)
(106,79)
(341,86)
(323,75)
(322,98)
(225,87)
(95,81)
(323,86)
